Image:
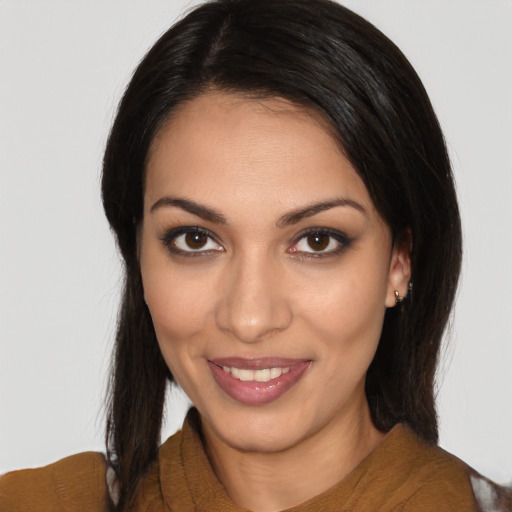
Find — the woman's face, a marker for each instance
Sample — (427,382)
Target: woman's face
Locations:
(266,269)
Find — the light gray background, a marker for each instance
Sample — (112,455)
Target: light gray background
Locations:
(63,66)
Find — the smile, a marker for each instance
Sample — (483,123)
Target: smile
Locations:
(257,381)
(255,375)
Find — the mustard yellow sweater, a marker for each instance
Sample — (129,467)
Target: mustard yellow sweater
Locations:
(402,474)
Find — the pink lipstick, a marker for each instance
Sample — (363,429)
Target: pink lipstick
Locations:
(257,381)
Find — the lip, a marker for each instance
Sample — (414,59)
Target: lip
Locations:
(252,392)
(258,363)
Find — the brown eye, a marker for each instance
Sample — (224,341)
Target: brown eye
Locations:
(190,240)
(196,240)
(318,241)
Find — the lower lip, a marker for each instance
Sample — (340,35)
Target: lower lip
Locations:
(257,393)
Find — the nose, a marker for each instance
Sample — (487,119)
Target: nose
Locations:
(253,304)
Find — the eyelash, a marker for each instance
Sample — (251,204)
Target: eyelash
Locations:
(343,241)
(341,238)
(170,237)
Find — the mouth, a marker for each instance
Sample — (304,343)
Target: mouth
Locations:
(257,381)
(263,375)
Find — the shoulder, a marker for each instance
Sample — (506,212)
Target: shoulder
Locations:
(72,484)
(424,476)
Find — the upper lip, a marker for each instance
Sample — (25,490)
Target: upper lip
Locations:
(258,363)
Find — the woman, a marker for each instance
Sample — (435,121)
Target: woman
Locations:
(276,179)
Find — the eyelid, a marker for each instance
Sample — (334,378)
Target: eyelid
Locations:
(343,240)
(172,234)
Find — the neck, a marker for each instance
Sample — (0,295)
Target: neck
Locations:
(268,482)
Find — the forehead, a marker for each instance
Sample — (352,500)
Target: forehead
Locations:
(219,146)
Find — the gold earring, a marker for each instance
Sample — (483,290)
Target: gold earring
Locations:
(398,298)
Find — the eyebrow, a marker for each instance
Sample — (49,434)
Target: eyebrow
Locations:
(297,215)
(289,219)
(204,212)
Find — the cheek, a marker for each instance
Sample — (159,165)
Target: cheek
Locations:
(180,316)
(180,310)
(348,311)
(180,301)
(177,311)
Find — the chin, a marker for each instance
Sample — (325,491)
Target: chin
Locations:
(263,442)
(258,430)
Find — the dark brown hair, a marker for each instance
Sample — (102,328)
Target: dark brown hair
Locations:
(319,55)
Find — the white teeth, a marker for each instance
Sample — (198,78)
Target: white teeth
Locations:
(263,375)
(275,372)
(246,375)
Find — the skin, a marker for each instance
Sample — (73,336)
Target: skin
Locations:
(257,288)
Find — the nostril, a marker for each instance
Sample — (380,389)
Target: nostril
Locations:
(252,304)
(251,322)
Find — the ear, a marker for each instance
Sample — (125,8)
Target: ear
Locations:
(399,268)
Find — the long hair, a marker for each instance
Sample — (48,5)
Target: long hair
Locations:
(318,55)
